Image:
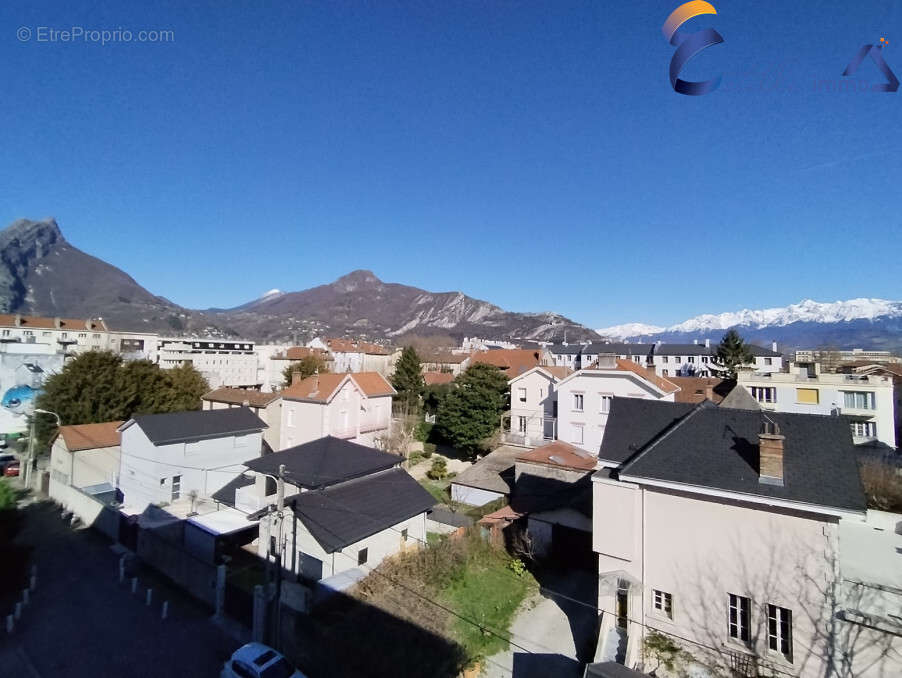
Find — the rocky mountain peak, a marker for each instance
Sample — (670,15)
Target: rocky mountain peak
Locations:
(355,280)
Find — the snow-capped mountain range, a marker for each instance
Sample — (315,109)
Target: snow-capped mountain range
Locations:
(863,322)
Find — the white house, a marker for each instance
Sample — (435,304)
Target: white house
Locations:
(76,335)
(869,399)
(177,456)
(221,362)
(353,406)
(720,530)
(357,356)
(584,398)
(347,507)
(267,406)
(533,400)
(85,455)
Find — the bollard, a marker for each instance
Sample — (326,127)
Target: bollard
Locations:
(149,596)
(165,611)
(18,610)
(134,584)
(122,569)
(25,596)
(9,623)
(33,584)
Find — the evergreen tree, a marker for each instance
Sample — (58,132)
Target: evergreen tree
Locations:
(731,353)
(306,366)
(408,380)
(471,413)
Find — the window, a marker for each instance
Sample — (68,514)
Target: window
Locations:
(740,618)
(764,394)
(404,534)
(677,359)
(5,333)
(665,373)
(578,402)
(82,335)
(859,400)
(768,361)
(605,403)
(663,603)
(521,395)
(176,487)
(96,336)
(28,333)
(691,359)
(779,630)
(521,424)
(362,556)
(577,437)
(864,429)
(807,396)
(664,359)
(704,358)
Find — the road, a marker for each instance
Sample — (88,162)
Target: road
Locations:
(553,634)
(82,623)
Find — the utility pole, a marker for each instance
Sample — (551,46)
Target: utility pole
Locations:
(276,525)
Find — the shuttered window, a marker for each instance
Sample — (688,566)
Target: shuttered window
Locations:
(809,396)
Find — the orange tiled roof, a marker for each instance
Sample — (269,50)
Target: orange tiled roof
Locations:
(446,358)
(559,453)
(40,322)
(300,352)
(321,387)
(352,346)
(239,396)
(558,371)
(90,436)
(513,361)
(660,382)
(693,389)
(432,378)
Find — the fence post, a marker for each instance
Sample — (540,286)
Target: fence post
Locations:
(122,568)
(165,611)
(220,589)
(149,596)
(259,613)
(18,612)
(134,584)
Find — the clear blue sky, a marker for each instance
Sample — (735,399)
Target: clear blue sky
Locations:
(527,153)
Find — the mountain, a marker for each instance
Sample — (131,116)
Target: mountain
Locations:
(856,323)
(41,273)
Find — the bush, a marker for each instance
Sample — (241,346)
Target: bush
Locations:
(517,566)
(439,469)
(882,485)
(423,431)
(428,449)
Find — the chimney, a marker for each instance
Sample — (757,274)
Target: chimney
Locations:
(770,455)
(695,341)
(295,377)
(709,392)
(57,323)
(18,320)
(650,368)
(773,346)
(707,343)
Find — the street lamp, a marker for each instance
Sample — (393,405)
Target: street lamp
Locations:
(59,423)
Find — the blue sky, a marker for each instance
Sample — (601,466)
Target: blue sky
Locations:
(529,153)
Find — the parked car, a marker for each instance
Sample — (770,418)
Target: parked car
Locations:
(9,465)
(256,660)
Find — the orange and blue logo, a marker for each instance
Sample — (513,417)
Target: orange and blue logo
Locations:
(688,45)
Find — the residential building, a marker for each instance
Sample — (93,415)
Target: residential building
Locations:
(471,344)
(489,479)
(845,355)
(584,398)
(669,360)
(437,378)
(267,406)
(347,506)
(513,361)
(454,363)
(279,361)
(270,365)
(184,456)
(721,530)
(221,362)
(85,455)
(870,400)
(349,355)
(533,401)
(76,335)
(352,406)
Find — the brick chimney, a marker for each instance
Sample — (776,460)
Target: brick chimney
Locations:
(770,455)
(295,377)
(709,392)
(18,320)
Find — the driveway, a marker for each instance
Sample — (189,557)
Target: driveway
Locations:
(82,623)
(554,634)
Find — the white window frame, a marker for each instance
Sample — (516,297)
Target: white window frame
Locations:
(604,406)
(870,400)
(662,603)
(578,436)
(175,490)
(739,618)
(864,429)
(761,393)
(779,631)
(521,424)
(521,394)
(579,402)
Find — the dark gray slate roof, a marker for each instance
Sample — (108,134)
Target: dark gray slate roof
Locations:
(635,422)
(323,462)
(740,399)
(619,348)
(446,516)
(569,349)
(177,427)
(226,493)
(701,349)
(612,670)
(343,514)
(717,448)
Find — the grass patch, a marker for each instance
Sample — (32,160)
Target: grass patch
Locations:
(437,488)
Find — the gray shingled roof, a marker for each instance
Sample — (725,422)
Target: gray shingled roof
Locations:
(740,399)
(717,448)
(344,514)
(635,422)
(619,348)
(569,349)
(177,427)
(494,472)
(325,461)
(226,493)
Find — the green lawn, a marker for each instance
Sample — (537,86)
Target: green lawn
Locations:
(437,488)
(487,593)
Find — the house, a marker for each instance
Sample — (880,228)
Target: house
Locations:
(267,406)
(489,479)
(454,363)
(279,360)
(584,397)
(858,355)
(437,378)
(513,361)
(351,355)
(353,406)
(76,335)
(697,389)
(347,507)
(869,399)
(84,455)
(533,399)
(221,362)
(720,529)
(184,456)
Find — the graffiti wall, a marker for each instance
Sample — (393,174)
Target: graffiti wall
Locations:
(22,377)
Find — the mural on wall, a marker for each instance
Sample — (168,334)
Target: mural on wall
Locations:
(22,377)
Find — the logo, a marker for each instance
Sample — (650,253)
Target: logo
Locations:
(876,54)
(688,45)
